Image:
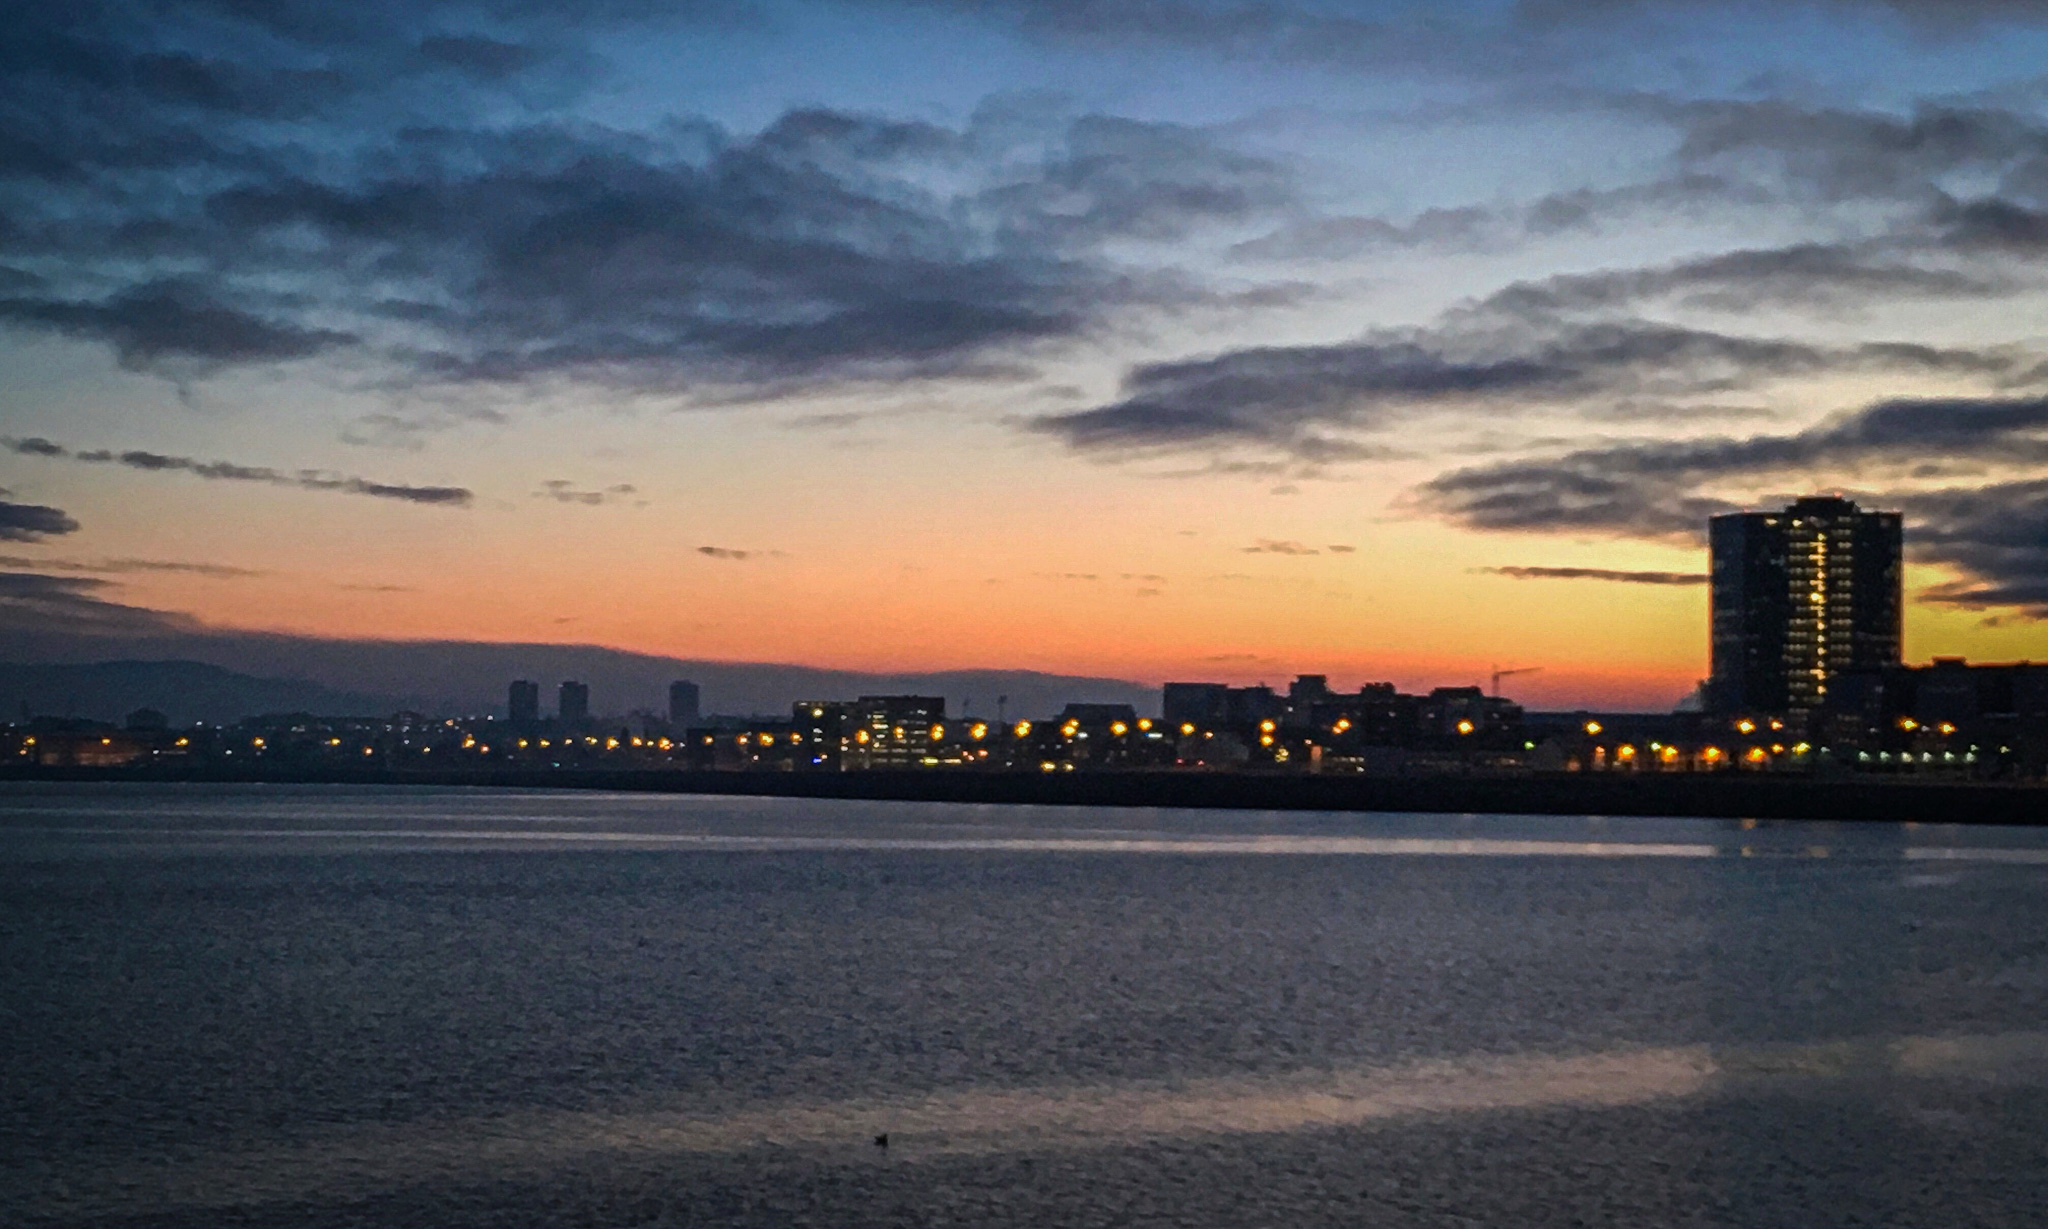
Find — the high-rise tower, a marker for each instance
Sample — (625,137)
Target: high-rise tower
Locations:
(572,702)
(1800,597)
(523,701)
(684,701)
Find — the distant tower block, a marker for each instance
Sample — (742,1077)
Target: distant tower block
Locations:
(1801,597)
(523,705)
(573,702)
(685,704)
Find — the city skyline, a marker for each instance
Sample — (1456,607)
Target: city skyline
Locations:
(1192,341)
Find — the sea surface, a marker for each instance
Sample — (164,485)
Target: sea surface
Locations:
(322,1006)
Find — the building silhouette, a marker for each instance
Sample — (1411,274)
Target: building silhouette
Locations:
(522,705)
(895,731)
(1206,705)
(1801,598)
(573,702)
(822,729)
(685,703)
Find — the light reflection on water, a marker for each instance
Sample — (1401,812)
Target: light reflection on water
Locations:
(522,1007)
(188,839)
(78,821)
(1358,846)
(971,1122)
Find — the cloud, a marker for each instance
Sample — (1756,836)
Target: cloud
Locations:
(1992,533)
(1270,546)
(69,606)
(1832,154)
(1608,574)
(32,522)
(1996,535)
(1461,228)
(1493,227)
(1341,549)
(805,251)
(509,243)
(1257,31)
(1957,181)
(162,322)
(1287,398)
(562,491)
(1993,225)
(737,556)
(117,567)
(1940,15)
(1806,274)
(483,57)
(228,471)
(1654,487)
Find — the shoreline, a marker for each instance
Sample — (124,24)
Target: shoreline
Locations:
(1691,796)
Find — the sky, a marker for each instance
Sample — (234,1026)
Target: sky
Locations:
(1156,340)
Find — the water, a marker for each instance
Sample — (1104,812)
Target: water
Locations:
(323,1006)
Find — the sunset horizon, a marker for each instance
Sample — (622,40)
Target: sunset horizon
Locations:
(1227,345)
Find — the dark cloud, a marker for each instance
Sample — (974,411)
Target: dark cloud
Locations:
(1934,160)
(1996,535)
(1286,398)
(1961,183)
(1807,274)
(32,522)
(731,555)
(486,57)
(228,471)
(562,491)
(1993,533)
(1835,154)
(508,244)
(1607,574)
(1653,487)
(1258,30)
(70,606)
(116,567)
(124,65)
(1941,15)
(1463,228)
(800,252)
(1477,228)
(162,321)
(1992,225)
(1583,339)
(1271,546)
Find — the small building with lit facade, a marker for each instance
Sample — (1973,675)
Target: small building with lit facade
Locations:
(893,731)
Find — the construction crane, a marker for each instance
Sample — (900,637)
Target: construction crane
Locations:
(1499,674)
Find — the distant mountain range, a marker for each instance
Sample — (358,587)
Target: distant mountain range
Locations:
(184,691)
(221,677)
